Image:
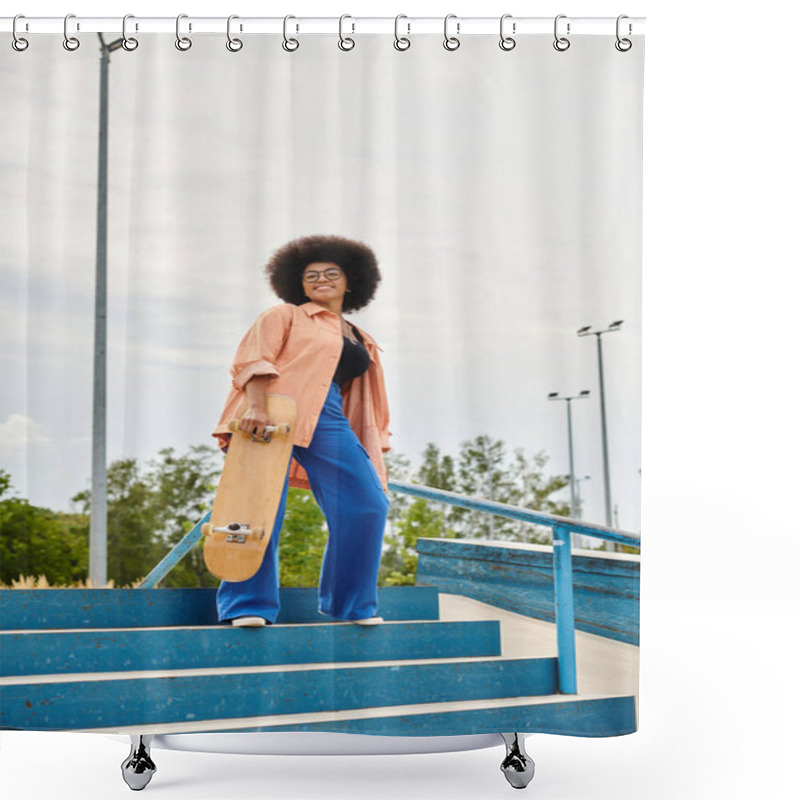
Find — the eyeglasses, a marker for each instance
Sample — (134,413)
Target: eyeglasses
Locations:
(331,274)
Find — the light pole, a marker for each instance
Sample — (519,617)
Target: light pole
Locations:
(98,522)
(586,331)
(573,503)
(578,481)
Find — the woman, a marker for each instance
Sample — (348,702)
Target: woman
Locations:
(304,348)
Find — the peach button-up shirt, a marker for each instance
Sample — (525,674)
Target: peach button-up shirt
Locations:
(300,346)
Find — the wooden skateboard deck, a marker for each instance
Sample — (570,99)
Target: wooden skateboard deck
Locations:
(249,494)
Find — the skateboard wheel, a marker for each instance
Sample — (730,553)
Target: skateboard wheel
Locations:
(206,529)
(258,533)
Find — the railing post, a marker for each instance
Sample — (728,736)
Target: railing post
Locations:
(159,572)
(565,611)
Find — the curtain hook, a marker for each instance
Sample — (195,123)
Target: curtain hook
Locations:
(561,43)
(346,43)
(128,42)
(18,42)
(401,43)
(234,45)
(623,45)
(451,42)
(507,42)
(71,43)
(182,42)
(289,45)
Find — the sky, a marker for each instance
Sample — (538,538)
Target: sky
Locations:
(504,207)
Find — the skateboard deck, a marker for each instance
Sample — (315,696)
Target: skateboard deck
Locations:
(249,494)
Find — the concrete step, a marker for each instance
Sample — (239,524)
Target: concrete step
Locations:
(116,700)
(555,714)
(135,649)
(45,609)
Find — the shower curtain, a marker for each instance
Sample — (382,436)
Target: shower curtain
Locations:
(500,190)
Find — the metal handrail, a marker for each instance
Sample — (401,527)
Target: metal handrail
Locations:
(562,528)
(517,512)
(164,567)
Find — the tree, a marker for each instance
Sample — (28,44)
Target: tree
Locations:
(535,493)
(37,541)
(482,474)
(399,563)
(302,540)
(183,488)
(394,568)
(484,471)
(437,471)
(150,511)
(133,517)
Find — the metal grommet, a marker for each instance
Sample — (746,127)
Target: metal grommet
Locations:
(18,42)
(346,43)
(233,45)
(507,42)
(182,42)
(129,43)
(401,42)
(561,43)
(451,42)
(70,42)
(623,45)
(289,45)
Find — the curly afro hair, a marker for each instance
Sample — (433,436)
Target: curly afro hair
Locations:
(285,269)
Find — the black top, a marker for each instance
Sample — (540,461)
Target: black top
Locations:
(353,362)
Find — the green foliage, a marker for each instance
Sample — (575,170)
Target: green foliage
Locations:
(303,538)
(150,509)
(37,541)
(483,470)
(132,518)
(399,562)
(183,489)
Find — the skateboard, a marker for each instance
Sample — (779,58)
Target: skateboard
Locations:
(249,494)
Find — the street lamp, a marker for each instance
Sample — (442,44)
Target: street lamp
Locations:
(578,481)
(573,503)
(98,522)
(587,331)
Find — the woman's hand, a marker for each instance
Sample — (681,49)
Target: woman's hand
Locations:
(255,419)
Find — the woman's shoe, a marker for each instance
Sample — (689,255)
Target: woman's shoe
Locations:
(368,621)
(249,622)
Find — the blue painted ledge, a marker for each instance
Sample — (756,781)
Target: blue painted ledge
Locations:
(519,577)
(40,609)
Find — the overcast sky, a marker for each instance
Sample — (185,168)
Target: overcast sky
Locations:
(500,191)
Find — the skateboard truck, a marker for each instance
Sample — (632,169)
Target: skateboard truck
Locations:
(236,532)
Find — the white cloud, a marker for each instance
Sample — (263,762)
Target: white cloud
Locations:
(19,431)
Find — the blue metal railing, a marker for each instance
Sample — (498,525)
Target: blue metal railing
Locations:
(162,569)
(562,528)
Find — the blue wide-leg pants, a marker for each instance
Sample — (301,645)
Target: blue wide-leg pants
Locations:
(349,493)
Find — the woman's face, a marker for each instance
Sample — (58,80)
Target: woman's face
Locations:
(324,283)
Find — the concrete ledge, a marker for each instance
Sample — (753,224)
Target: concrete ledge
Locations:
(41,609)
(519,577)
